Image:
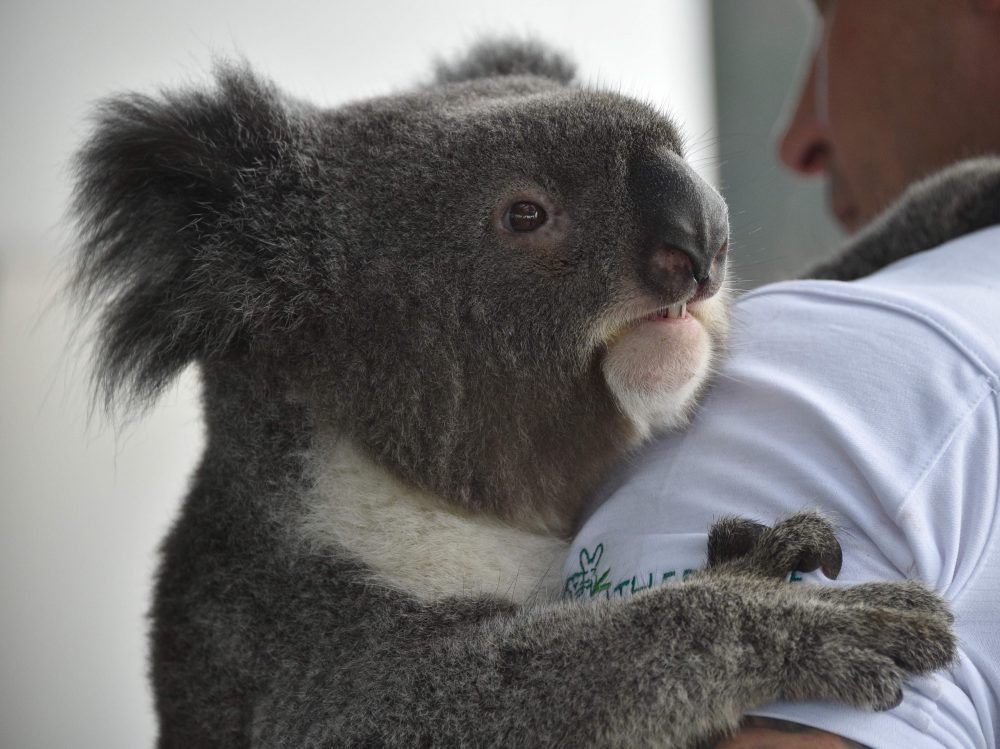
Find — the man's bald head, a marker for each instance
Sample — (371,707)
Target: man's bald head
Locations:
(896,89)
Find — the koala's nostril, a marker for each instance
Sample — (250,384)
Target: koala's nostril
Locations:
(673,261)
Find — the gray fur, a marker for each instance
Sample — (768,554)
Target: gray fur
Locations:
(960,199)
(496,57)
(337,269)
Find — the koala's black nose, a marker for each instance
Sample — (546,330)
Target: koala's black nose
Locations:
(684,225)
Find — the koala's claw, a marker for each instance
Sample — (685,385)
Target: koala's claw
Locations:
(804,542)
(860,655)
(855,676)
(852,644)
(914,642)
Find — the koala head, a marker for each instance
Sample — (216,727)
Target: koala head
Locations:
(493,284)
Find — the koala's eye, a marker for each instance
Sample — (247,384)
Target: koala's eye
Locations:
(526,216)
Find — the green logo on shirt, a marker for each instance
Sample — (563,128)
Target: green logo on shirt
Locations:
(593,581)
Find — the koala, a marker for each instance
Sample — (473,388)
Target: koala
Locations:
(426,325)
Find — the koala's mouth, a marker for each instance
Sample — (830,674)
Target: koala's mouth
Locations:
(701,311)
(672,312)
(679,311)
(629,317)
(687,311)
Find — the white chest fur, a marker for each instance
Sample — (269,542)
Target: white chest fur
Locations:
(416,544)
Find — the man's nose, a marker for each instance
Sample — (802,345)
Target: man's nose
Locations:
(684,224)
(805,144)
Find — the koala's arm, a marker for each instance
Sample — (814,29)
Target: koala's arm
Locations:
(672,666)
(958,200)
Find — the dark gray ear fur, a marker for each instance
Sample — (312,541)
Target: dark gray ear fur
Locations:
(495,57)
(159,188)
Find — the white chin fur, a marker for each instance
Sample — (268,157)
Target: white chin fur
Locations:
(413,542)
(656,370)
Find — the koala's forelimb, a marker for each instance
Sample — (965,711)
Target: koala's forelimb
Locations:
(667,667)
(617,674)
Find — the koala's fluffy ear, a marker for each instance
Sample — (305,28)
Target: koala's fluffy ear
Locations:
(161,202)
(493,57)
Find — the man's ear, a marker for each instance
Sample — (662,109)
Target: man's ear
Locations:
(162,191)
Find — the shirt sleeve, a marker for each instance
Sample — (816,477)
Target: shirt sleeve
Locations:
(949,521)
(908,437)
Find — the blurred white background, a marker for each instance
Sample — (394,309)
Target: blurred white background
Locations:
(83,503)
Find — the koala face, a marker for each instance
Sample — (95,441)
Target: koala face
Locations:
(492,285)
(534,235)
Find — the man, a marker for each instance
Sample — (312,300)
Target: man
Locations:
(875,400)
(896,90)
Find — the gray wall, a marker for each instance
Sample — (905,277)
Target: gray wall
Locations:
(780,224)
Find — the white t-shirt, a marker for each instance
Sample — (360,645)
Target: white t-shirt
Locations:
(876,401)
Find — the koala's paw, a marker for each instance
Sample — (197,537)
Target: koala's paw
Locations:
(909,596)
(860,655)
(804,542)
(852,676)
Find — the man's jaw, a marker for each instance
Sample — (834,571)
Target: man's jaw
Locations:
(847,216)
(843,206)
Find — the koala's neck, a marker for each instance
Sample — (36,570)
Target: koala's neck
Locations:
(412,541)
(256,435)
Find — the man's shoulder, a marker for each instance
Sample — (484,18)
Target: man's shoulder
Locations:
(944,301)
(880,373)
